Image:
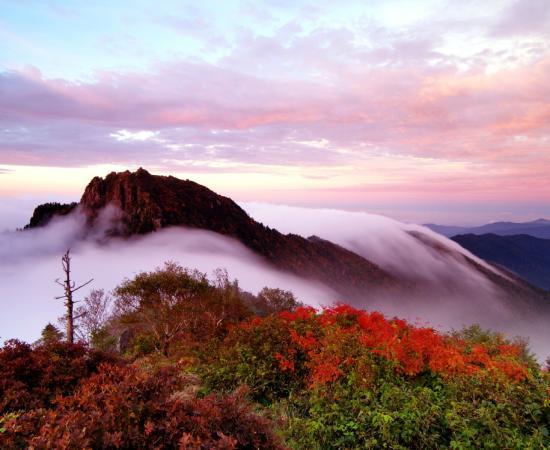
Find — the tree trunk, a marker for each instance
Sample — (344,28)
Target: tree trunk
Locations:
(69,287)
(69,298)
(165,346)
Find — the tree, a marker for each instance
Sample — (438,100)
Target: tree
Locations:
(50,335)
(70,288)
(274,300)
(228,304)
(178,304)
(92,315)
(166,302)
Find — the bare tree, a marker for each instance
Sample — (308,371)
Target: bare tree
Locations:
(92,315)
(70,287)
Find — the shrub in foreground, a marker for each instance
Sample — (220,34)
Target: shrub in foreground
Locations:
(124,407)
(31,377)
(347,378)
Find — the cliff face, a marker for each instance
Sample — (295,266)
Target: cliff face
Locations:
(150,202)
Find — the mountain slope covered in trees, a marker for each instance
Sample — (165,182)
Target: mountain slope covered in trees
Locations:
(525,255)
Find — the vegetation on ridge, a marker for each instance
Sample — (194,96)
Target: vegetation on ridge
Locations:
(181,361)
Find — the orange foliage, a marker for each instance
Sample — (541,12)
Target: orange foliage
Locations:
(330,340)
(284,363)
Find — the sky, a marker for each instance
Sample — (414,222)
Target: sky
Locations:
(424,110)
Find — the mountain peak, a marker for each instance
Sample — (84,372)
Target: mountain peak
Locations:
(150,202)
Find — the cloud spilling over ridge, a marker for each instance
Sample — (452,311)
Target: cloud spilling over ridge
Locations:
(30,262)
(389,243)
(458,294)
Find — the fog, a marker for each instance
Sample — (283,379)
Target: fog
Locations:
(31,261)
(456,294)
(459,294)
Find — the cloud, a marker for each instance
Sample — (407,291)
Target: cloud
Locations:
(459,295)
(524,17)
(436,113)
(397,109)
(35,255)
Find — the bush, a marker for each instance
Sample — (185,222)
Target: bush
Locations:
(339,378)
(32,377)
(124,407)
(346,378)
(252,355)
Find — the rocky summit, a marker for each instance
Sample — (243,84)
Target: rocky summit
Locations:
(147,203)
(151,202)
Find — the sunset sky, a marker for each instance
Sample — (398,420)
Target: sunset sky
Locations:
(424,110)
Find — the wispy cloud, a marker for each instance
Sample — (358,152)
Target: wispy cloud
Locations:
(524,17)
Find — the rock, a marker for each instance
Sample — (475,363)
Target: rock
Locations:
(150,202)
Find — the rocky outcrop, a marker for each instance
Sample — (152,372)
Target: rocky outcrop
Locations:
(150,202)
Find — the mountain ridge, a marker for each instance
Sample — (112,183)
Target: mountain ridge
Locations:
(525,255)
(148,203)
(539,228)
(151,202)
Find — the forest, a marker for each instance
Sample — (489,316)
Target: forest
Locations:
(174,358)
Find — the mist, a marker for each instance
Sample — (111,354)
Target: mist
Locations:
(457,293)
(30,261)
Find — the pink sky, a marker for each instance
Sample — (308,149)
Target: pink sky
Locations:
(365,111)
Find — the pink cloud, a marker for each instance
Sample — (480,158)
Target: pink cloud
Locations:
(524,17)
(497,125)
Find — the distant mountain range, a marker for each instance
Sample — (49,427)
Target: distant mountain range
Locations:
(537,228)
(523,248)
(525,255)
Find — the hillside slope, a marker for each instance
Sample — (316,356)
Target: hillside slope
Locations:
(150,202)
(525,255)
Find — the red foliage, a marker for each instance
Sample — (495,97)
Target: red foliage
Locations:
(307,342)
(284,363)
(31,377)
(123,407)
(300,313)
(329,339)
(326,371)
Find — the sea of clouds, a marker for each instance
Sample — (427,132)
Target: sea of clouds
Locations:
(458,294)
